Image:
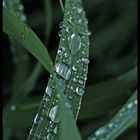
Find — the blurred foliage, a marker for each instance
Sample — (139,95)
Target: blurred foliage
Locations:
(113,54)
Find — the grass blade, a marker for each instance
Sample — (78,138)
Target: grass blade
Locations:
(72,56)
(126,116)
(27,38)
(107,92)
(48,19)
(20,55)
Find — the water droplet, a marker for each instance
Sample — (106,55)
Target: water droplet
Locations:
(27,29)
(63,39)
(80,21)
(63,49)
(55,114)
(135,102)
(60,33)
(37,119)
(60,53)
(64,27)
(93,138)
(74,68)
(75,43)
(61,24)
(130,105)
(74,80)
(66,55)
(86,33)
(23,18)
(79,8)
(12,107)
(50,136)
(79,91)
(103,131)
(20,7)
(3,4)
(68,105)
(77,76)
(83,52)
(63,71)
(81,81)
(55,130)
(85,60)
(71,87)
(111,125)
(49,91)
(23,36)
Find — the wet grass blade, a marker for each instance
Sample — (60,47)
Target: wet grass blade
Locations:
(20,55)
(26,37)
(71,66)
(107,92)
(126,116)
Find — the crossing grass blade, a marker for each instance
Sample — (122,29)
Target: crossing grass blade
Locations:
(107,92)
(27,38)
(125,117)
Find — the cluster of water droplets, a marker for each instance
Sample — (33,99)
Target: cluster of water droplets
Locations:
(71,67)
(15,7)
(107,130)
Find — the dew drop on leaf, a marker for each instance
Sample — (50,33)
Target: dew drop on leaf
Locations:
(23,18)
(55,130)
(3,4)
(103,131)
(135,102)
(49,91)
(75,43)
(74,80)
(111,125)
(79,91)
(60,53)
(12,107)
(37,119)
(85,60)
(81,81)
(20,7)
(130,105)
(50,136)
(74,68)
(54,114)
(63,70)
(27,29)
(23,36)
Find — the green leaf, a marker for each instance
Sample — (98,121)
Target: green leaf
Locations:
(27,38)
(110,93)
(125,117)
(71,66)
(48,19)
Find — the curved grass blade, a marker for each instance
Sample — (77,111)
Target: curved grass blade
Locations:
(20,56)
(126,116)
(20,61)
(71,66)
(48,19)
(27,38)
(107,92)
(61,4)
